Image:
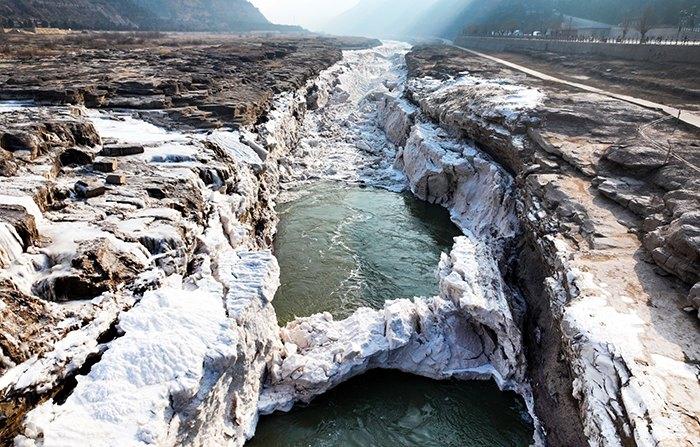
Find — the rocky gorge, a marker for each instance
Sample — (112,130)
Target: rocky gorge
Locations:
(138,280)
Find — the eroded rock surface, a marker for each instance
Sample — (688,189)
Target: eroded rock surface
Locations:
(599,204)
(168,270)
(200,80)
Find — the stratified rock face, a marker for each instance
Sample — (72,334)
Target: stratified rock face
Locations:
(612,356)
(199,342)
(207,83)
(174,15)
(47,131)
(676,246)
(168,275)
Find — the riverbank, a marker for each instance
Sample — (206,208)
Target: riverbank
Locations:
(158,282)
(595,201)
(110,221)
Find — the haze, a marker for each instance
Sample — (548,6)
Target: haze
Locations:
(307,13)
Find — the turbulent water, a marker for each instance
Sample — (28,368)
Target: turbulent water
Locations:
(343,247)
(393,409)
(341,141)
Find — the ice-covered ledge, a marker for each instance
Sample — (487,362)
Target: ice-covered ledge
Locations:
(466,332)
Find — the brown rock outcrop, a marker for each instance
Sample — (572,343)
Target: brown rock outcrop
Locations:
(200,81)
(23,223)
(98,266)
(595,189)
(38,132)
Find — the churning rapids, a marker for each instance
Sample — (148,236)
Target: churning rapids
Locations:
(352,235)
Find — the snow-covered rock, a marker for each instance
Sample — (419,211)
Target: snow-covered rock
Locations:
(195,330)
(466,332)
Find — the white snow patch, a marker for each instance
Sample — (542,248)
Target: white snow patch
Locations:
(125,128)
(127,396)
(501,96)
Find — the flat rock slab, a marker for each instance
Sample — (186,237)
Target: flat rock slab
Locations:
(87,190)
(208,82)
(121,150)
(105,165)
(116,179)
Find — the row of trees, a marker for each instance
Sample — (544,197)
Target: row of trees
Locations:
(507,16)
(22,23)
(687,19)
(6,22)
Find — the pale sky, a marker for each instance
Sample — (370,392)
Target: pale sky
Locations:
(307,13)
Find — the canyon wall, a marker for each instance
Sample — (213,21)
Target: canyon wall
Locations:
(600,341)
(550,291)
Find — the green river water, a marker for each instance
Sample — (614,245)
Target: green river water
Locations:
(343,247)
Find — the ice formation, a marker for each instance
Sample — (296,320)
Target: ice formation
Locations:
(199,356)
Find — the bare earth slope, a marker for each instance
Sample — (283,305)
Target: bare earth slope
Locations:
(673,84)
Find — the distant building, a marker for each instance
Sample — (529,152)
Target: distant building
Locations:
(578,27)
(573,27)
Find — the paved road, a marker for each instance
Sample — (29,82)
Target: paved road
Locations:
(685,116)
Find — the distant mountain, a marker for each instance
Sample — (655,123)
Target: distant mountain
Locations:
(164,15)
(379,18)
(446,18)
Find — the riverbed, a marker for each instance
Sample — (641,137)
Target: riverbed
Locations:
(388,408)
(351,235)
(342,247)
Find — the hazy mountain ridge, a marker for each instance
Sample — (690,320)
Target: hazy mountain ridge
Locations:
(448,18)
(184,15)
(385,18)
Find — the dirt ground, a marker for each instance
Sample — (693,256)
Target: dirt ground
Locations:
(672,84)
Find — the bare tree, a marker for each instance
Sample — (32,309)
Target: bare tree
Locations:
(687,19)
(646,22)
(626,25)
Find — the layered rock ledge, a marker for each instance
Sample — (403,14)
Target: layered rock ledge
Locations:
(206,81)
(609,247)
(568,286)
